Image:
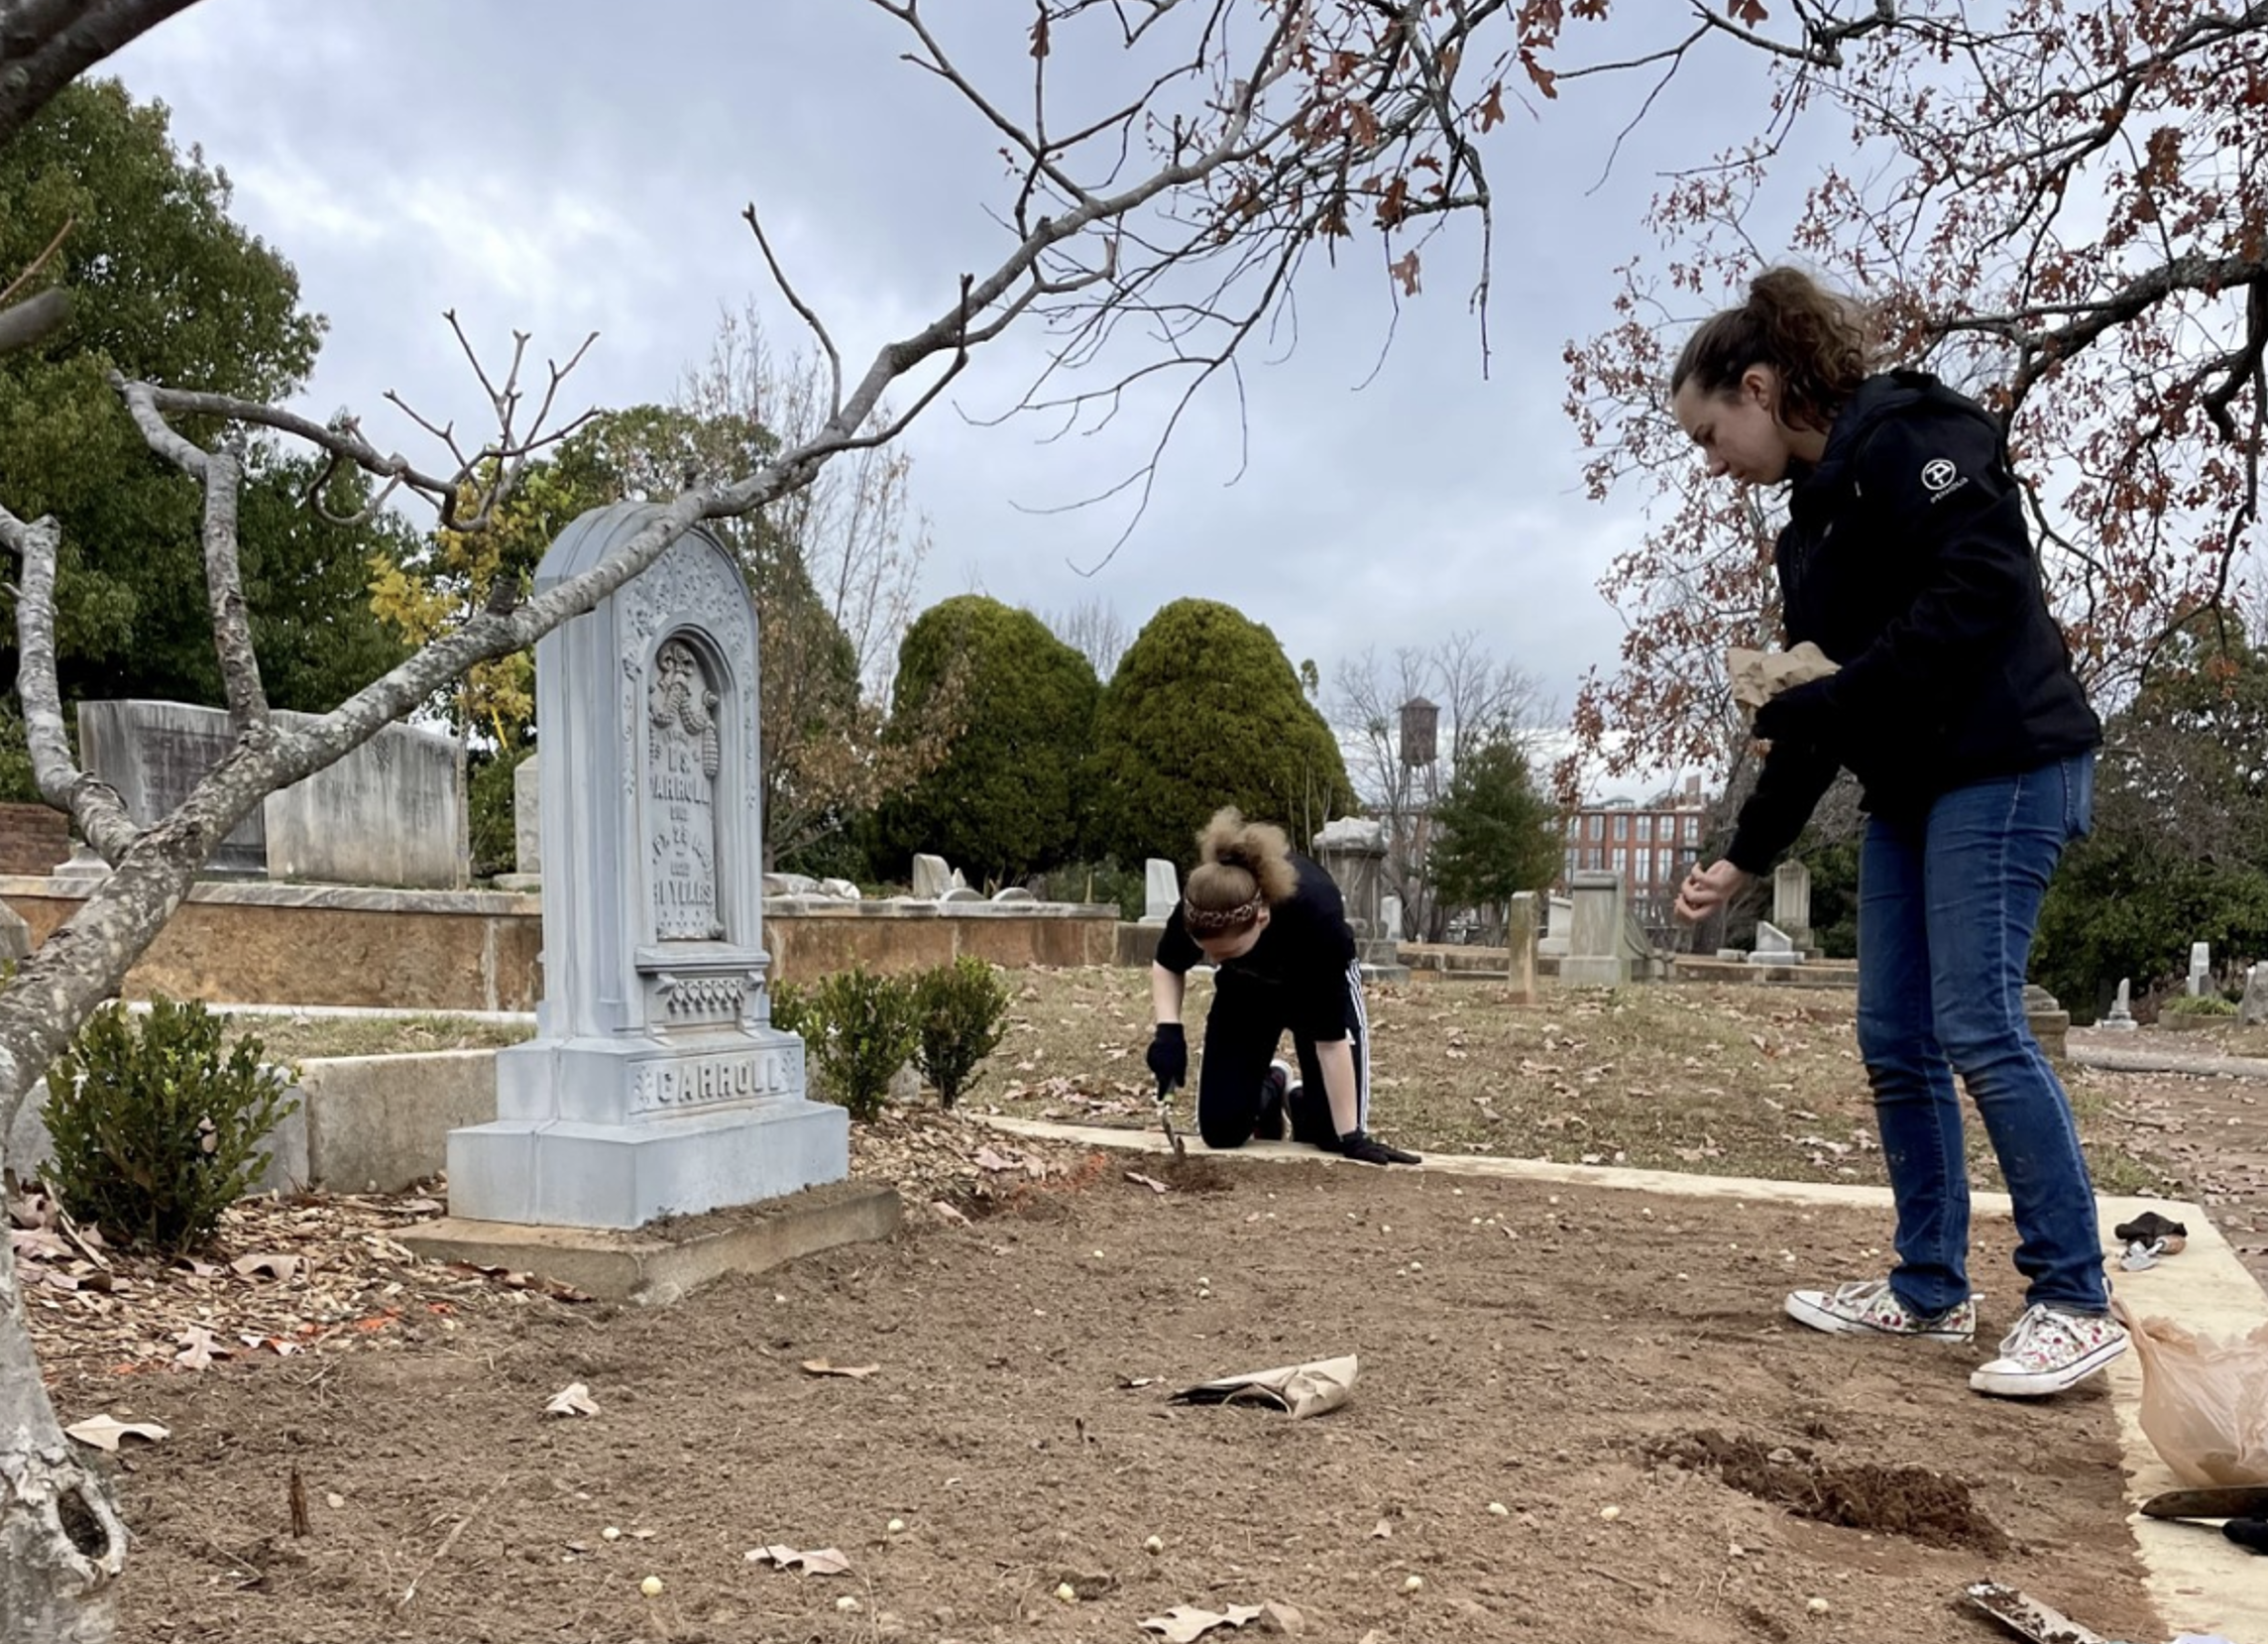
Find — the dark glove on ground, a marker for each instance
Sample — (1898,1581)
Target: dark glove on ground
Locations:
(1169,1056)
(1365,1148)
(2248,1532)
(1799,715)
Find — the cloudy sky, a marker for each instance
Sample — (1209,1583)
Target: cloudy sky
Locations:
(560,170)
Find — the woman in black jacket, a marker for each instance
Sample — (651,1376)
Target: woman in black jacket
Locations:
(1275,928)
(1906,560)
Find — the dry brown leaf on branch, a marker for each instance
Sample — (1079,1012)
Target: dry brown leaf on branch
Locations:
(856,1373)
(574,1400)
(104,1432)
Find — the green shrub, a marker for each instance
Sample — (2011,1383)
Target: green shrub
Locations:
(866,1031)
(157,1129)
(2198,1005)
(962,1013)
(793,1009)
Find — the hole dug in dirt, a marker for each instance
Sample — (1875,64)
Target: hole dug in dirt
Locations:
(1913,1502)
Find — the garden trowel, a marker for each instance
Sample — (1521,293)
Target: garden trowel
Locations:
(1166,1118)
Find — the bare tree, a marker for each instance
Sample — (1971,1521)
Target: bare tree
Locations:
(1152,235)
(1478,698)
(2055,205)
(1095,629)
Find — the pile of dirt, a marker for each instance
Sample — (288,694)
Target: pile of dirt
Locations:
(1913,1502)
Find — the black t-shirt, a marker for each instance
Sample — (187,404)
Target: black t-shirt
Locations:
(1303,954)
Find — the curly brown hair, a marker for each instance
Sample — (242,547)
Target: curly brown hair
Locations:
(1241,866)
(1816,339)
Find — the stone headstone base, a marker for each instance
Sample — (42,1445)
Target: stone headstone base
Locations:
(1594,973)
(580,1174)
(520,884)
(661,1265)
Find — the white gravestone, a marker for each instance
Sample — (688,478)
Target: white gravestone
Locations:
(2121,1017)
(932,877)
(1773,946)
(2255,1010)
(2201,968)
(1160,891)
(656,1082)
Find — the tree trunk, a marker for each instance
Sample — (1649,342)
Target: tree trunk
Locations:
(62,1545)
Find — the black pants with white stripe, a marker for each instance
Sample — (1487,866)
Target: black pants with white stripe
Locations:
(1248,1021)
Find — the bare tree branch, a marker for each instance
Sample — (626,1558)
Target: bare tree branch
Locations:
(45,44)
(94,806)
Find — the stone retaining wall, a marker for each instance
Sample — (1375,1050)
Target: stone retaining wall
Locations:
(481,950)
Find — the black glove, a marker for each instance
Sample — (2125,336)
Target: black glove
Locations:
(1799,715)
(1365,1148)
(1169,1056)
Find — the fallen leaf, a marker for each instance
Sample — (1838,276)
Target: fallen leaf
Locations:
(1287,1618)
(572,1400)
(279,1268)
(825,1561)
(1185,1624)
(1384,1531)
(947,1213)
(1150,1181)
(198,1348)
(856,1373)
(991,1158)
(104,1432)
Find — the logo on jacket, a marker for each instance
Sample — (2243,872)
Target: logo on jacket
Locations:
(1938,473)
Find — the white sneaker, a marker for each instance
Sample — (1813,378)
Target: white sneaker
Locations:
(2049,1351)
(1871,1307)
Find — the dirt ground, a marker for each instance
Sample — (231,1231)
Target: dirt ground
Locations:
(1557,1353)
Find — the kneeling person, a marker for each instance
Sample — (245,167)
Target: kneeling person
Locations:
(1274,924)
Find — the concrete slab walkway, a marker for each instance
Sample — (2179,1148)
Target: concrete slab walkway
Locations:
(2199,1581)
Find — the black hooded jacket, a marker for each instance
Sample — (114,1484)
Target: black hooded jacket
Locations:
(1907,561)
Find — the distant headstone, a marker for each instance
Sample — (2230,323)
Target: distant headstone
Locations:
(528,815)
(1160,891)
(83,864)
(385,814)
(1520,939)
(932,877)
(2253,1011)
(1595,952)
(1013,893)
(2201,968)
(1791,902)
(961,893)
(789,884)
(153,753)
(1773,946)
(656,1082)
(842,891)
(1352,849)
(2120,1018)
(14,935)
(1559,921)
(1390,918)
(2049,1022)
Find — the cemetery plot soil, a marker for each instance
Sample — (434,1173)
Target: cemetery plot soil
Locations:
(1553,1352)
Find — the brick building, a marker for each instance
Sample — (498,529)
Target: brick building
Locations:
(1650,845)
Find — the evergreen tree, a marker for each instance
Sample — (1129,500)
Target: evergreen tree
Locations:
(1204,711)
(1495,832)
(1002,803)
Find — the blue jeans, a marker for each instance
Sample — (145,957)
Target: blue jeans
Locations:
(1947,907)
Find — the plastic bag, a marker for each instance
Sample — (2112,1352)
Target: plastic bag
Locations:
(2205,1402)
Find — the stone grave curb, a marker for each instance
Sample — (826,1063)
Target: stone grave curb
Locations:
(658,1264)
